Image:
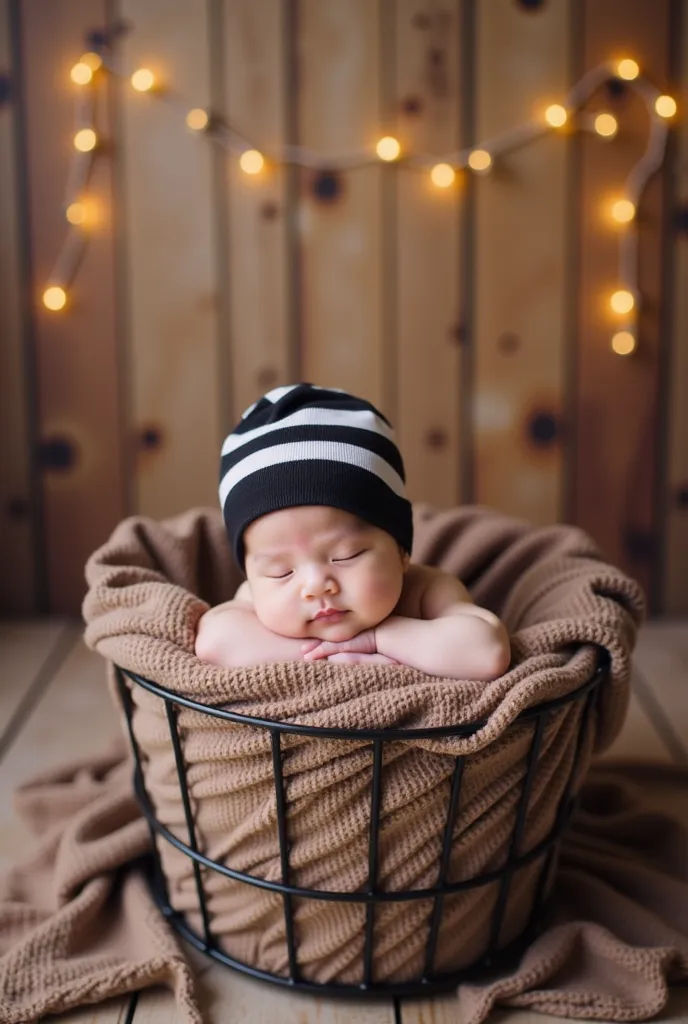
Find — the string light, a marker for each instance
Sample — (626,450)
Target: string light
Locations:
(143,80)
(623,211)
(85,140)
(665,106)
(443,175)
(54,298)
(81,73)
(92,60)
(606,125)
(76,213)
(622,301)
(479,160)
(197,119)
(556,115)
(623,343)
(388,148)
(627,69)
(251,161)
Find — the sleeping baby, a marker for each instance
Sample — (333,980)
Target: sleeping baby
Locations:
(313,497)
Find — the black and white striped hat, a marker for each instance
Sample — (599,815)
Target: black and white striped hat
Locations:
(306,445)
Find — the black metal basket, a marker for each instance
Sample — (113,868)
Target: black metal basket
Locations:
(429,982)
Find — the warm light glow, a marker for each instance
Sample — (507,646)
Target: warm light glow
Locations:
(622,301)
(443,175)
(54,298)
(197,119)
(92,60)
(388,148)
(556,115)
(76,213)
(81,73)
(627,69)
(143,80)
(251,162)
(665,106)
(606,125)
(85,140)
(479,160)
(623,211)
(623,343)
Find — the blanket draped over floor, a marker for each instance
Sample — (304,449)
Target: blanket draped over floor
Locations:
(77,923)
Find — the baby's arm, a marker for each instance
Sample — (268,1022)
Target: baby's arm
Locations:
(454,637)
(231,635)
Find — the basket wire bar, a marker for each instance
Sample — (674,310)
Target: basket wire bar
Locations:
(284,851)
(140,785)
(369,894)
(452,812)
(171,713)
(517,834)
(374,834)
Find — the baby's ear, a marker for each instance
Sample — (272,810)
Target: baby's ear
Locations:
(405,558)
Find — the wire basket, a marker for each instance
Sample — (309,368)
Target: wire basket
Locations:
(429,981)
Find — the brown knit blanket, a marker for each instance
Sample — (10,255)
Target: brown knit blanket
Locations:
(77,923)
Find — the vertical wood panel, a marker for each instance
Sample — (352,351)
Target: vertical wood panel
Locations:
(520,263)
(427,246)
(173,352)
(255,107)
(340,231)
(675,596)
(77,365)
(17,579)
(616,415)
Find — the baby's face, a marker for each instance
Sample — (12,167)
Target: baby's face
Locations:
(303,561)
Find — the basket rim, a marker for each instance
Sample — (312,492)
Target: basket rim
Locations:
(331,732)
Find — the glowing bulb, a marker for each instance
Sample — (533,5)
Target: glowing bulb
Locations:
(388,148)
(81,73)
(197,119)
(623,343)
(606,125)
(76,213)
(479,160)
(443,175)
(251,161)
(143,80)
(85,140)
(92,60)
(54,298)
(665,106)
(556,115)
(622,301)
(623,211)
(627,69)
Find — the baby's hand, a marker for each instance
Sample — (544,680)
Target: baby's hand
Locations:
(345,658)
(362,643)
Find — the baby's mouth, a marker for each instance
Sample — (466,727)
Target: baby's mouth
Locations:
(325,614)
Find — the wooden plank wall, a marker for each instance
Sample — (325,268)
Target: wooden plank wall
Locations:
(521,266)
(675,489)
(175,390)
(474,316)
(81,457)
(18,512)
(617,399)
(425,252)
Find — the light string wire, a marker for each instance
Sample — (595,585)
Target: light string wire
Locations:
(228,138)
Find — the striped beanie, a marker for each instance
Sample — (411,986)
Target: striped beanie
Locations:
(306,445)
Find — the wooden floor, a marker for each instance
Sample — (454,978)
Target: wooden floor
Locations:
(52,704)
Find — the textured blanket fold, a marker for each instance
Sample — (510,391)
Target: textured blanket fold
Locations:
(76,921)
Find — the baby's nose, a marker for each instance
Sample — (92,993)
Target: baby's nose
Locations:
(318,581)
